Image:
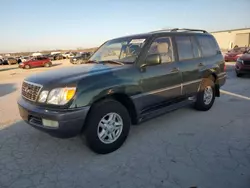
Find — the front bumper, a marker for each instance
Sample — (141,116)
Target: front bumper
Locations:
(230,58)
(70,121)
(73,61)
(222,78)
(242,68)
(21,65)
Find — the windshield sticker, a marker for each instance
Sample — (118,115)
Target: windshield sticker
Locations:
(137,41)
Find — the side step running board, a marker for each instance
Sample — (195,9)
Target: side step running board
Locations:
(163,110)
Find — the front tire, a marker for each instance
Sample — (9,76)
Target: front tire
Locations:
(206,96)
(78,62)
(108,126)
(238,74)
(27,66)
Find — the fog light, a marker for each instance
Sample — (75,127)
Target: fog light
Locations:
(50,123)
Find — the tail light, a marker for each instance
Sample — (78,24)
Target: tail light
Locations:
(225,67)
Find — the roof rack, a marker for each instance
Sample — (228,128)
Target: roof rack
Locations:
(169,30)
(180,29)
(185,29)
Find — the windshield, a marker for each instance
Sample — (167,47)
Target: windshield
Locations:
(124,50)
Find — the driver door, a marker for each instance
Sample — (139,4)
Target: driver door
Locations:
(161,83)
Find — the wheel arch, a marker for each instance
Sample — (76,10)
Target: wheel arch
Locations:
(126,101)
(211,75)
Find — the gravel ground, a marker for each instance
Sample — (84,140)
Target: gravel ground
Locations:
(181,149)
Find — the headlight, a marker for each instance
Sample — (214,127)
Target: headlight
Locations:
(43,96)
(240,60)
(61,96)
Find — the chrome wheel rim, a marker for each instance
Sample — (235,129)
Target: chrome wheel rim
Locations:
(110,128)
(208,95)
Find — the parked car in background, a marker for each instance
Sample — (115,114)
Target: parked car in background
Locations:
(39,61)
(53,57)
(146,76)
(242,65)
(10,61)
(234,54)
(80,58)
(68,55)
(25,58)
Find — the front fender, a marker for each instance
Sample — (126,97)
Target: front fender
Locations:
(100,89)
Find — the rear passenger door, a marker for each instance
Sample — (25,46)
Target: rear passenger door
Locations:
(191,63)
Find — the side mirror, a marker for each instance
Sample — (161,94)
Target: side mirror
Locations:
(154,59)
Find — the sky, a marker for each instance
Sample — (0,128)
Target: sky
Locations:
(33,25)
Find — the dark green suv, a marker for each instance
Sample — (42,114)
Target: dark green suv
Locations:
(126,81)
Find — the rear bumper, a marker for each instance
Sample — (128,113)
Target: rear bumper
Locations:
(70,121)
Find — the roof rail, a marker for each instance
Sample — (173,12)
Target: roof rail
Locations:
(185,29)
(169,30)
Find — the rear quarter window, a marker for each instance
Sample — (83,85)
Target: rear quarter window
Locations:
(208,45)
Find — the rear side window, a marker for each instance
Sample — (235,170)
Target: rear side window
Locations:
(196,50)
(184,47)
(208,45)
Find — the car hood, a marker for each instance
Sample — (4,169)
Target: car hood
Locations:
(231,54)
(245,57)
(70,75)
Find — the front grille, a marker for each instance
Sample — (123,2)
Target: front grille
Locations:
(30,90)
(246,62)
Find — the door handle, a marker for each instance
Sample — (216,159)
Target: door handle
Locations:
(175,70)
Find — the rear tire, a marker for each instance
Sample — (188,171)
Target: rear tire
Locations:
(107,126)
(47,64)
(206,96)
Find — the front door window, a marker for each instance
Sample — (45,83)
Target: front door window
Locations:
(163,47)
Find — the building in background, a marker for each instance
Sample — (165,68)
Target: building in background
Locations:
(227,39)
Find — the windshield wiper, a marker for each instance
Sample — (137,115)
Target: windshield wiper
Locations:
(92,61)
(112,61)
(105,61)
